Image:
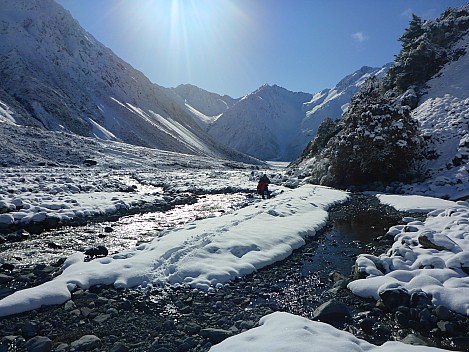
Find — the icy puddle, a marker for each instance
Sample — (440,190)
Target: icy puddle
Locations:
(117,236)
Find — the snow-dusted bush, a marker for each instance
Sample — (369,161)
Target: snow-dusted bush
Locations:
(426,47)
(377,142)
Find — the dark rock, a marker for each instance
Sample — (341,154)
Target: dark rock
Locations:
(443,313)
(126,305)
(367,324)
(7,267)
(5,279)
(97,251)
(394,297)
(52,221)
(108,229)
(86,343)
(426,241)
(5,291)
(420,299)
(61,347)
(39,344)
(187,345)
(336,276)
(192,328)
(29,329)
(402,319)
(331,311)
(119,347)
(381,333)
(17,236)
(102,318)
(215,335)
(460,342)
(53,245)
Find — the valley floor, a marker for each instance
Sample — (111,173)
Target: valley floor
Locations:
(203,259)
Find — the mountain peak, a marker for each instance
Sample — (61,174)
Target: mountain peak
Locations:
(67,81)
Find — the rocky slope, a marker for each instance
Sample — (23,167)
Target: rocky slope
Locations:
(205,106)
(56,76)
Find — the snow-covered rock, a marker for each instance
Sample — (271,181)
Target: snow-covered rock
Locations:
(430,256)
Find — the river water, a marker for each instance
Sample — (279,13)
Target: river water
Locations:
(163,317)
(116,236)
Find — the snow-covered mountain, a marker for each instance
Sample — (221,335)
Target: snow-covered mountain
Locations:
(205,106)
(54,75)
(332,103)
(273,123)
(263,123)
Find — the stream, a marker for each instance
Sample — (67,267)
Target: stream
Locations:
(186,319)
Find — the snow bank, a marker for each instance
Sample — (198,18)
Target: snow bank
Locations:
(203,254)
(414,202)
(286,332)
(430,256)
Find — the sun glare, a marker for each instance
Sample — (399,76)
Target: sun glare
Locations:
(194,38)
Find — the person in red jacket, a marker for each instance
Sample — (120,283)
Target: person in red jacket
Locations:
(263,186)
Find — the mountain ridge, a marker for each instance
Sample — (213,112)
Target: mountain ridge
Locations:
(67,81)
(273,123)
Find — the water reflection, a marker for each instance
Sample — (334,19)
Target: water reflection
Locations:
(118,236)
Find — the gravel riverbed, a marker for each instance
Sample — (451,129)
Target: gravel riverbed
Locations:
(184,319)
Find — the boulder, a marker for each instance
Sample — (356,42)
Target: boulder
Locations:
(394,297)
(39,344)
(331,311)
(97,251)
(86,343)
(215,335)
(429,239)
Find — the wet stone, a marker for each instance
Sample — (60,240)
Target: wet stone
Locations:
(443,313)
(39,344)
(86,343)
(331,311)
(394,297)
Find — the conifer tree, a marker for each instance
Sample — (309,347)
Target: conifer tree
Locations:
(414,31)
(377,142)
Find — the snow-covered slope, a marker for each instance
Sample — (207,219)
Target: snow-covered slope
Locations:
(273,123)
(204,106)
(332,103)
(443,114)
(263,123)
(62,79)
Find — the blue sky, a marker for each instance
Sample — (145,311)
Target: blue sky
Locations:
(234,46)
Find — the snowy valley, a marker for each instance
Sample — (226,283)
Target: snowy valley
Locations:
(129,219)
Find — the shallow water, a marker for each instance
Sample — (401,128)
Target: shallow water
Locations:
(117,236)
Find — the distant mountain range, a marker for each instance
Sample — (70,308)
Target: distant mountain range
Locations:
(54,75)
(271,123)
